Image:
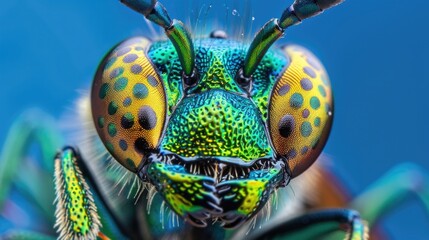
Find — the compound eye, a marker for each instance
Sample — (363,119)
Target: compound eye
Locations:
(128,103)
(300,110)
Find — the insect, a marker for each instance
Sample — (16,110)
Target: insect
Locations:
(212,133)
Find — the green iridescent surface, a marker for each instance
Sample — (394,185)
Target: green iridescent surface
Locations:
(245,197)
(187,194)
(217,61)
(165,58)
(74,202)
(217,118)
(216,123)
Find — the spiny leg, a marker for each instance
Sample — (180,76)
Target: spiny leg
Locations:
(391,190)
(36,184)
(76,212)
(317,225)
(77,215)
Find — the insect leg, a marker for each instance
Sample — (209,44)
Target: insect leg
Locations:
(317,225)
(391,190)
(77,215)
(26,175)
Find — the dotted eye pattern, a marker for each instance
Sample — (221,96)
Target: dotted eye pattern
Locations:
(128,103)
(300,110)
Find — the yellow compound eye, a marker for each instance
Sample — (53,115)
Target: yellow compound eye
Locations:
(128,103)
(300,110)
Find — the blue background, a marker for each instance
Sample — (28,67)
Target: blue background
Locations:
(375,51)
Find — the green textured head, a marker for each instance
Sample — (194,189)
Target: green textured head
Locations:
(217,129)
(214,146)
(216,118)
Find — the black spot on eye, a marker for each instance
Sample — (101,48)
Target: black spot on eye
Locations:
(103,90)
(141,145)
(112,108)
(147,118)
(127,121)
(286,125)
(100,122)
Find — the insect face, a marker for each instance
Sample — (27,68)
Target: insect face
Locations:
(215,150)
(219,129)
